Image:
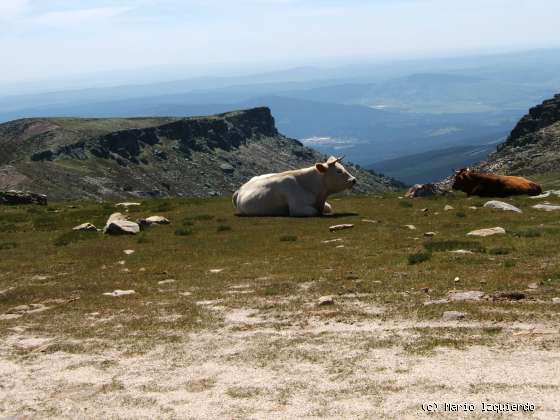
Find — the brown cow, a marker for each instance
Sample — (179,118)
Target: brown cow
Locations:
(488,185)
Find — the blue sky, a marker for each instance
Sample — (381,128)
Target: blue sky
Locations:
(42,39)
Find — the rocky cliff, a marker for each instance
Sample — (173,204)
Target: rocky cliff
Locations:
(69,158)
(533,147)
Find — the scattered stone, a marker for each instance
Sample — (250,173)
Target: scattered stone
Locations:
(448,208)
(410,227)
(340,246)
(500,205)
(533,286)
(370,221)
(227,168)
(117,293)
(473,208)
(127,205)
(436,302)
(330,241)
(421,190)
(482,282)
(326,300)
(85,227)
(340,227)
(487,232)
(456,279)
(142,269)
(546,207)
(425,289)
(129,251)
(546,194)
(157,220)
(22,197)
(185,293)
(425,210)
(453,315)
(168,281)
(352,276)
(121,262)
(473,295)
(429,234)
(461,251)
(556,300)
(125,270)
(117,224)
(216,270)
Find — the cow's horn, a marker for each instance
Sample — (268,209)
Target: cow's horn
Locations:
(340,158)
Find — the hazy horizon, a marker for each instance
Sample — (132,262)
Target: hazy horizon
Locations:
(149,40)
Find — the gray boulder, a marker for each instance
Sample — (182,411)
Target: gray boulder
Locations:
(117,224)
(85,227)
(22,197)
(500,205)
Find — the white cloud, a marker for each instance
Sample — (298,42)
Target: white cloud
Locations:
(12,8)
(80,16)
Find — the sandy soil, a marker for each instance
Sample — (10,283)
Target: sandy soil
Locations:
(260,365)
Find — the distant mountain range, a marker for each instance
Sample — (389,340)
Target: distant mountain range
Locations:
(79,158)
(380,115)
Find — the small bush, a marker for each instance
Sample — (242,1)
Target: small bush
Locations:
(526,233)
(461,214)
(500,251)
(72,237)
(442,246)
(163,206)
(406,204)
(45,223)
(223,228)
(288,238)
(187,222)
(203,217)
(183,232)
(8,245)
(419,257)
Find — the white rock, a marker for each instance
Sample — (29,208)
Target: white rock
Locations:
(429,234)
(546,194)
(556,300)
(410,227)
(453,315)
(546,207)
(117,293)
(473,295)
(500,205)
(129,251)
(216,270)
(487,232)
(370,221)
(332,240)
(118,224)
(85,227)
(448,207)
(168,281)
(325,300)
(533,286)
(461,251)
(473,208)
(158,220)
(126,205)
(340,227)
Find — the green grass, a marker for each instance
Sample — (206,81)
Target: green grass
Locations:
(382,263)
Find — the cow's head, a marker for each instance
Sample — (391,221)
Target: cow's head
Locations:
(462,180)
(336,177)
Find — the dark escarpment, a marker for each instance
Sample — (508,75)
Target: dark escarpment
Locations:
(533,147)
(69,158)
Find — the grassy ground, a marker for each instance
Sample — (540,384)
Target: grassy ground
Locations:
(249,275)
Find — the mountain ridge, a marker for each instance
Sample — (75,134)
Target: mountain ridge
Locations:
(69,158)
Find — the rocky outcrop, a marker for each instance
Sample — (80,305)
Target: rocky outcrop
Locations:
(533,147)
(21,197)
(155,157)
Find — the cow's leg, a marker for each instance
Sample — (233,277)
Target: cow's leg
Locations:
(327,208)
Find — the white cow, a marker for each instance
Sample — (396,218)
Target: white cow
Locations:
(300,193)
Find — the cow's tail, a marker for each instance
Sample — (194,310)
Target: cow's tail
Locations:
(234,198)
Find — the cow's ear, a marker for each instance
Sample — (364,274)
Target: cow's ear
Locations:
(321,167)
